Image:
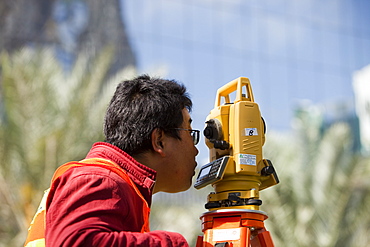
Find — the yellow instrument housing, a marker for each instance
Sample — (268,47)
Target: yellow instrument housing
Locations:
(243,129)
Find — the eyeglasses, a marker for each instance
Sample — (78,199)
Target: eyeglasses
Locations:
(194,134)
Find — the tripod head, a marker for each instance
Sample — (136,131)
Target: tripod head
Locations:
(235,134)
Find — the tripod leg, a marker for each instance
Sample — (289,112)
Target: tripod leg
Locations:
(248,237)
(199,241)
(262,239)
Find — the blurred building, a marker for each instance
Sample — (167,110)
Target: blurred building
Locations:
(290,50)
(361,87)
(71,27)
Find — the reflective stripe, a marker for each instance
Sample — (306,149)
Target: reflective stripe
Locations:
(36,231)
(36,243)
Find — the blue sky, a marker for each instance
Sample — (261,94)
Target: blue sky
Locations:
(291,51)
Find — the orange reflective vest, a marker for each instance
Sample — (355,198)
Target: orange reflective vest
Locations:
(36,231)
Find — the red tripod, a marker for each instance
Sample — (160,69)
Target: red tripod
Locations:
(234,228)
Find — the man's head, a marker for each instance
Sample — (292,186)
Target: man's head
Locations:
(149,119)
(141,105)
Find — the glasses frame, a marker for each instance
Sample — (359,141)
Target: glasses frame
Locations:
(195,134)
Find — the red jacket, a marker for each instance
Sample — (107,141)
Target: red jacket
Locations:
(92,206)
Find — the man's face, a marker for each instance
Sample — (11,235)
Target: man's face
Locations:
(181,156)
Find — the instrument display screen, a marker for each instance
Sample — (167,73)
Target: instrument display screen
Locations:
(211,172)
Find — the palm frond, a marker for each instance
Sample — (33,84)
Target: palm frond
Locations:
(320,198)
(49,117)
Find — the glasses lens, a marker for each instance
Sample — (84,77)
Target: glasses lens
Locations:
(195,135)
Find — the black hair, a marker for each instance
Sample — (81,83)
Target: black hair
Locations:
(141,105)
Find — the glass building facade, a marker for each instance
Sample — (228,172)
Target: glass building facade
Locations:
(290,50)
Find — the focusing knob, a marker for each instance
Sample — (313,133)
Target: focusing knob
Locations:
(267,170)
(213,130)
(223,145)
(209,205)
(256,202)
(208,132)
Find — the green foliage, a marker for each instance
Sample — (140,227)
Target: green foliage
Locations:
(48,117)
(324,195)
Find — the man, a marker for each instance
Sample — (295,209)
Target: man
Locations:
(104,200)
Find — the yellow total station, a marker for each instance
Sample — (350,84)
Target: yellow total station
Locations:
(235,134)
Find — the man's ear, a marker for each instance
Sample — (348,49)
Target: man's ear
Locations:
(157,141)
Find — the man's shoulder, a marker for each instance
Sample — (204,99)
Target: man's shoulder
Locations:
(90,173)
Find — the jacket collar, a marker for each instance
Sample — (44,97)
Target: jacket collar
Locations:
(141,175)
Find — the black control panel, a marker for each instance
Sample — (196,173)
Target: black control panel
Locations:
(211,172)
